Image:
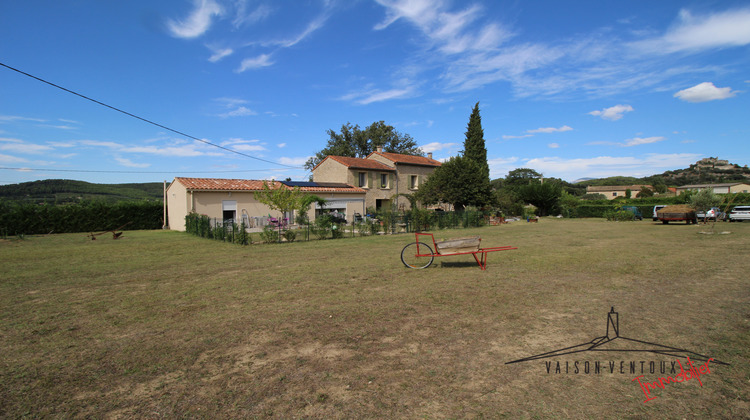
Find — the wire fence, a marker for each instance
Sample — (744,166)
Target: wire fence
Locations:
(271,230)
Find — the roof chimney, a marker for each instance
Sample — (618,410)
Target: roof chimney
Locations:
(429,155)
(379,149)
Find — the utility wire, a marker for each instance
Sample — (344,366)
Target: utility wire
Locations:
(144,119)
(133,172)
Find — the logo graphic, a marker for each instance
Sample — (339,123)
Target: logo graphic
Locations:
(614,342)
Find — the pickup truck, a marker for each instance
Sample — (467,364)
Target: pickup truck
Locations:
(677,213)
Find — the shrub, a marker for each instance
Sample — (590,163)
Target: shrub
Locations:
(269,235)
(373,226)
(619,216)
(337,231)
(290,235)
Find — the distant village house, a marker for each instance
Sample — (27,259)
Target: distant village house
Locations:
(615,191)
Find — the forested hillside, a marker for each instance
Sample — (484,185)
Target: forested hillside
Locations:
(67,191)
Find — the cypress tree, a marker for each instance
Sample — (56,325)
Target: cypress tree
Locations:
(474,147)
(475,150)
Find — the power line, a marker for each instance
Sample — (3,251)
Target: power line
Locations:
(144,119)
(135,172)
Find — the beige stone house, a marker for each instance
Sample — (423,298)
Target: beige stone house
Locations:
(735,187)
(614,191)
(381,175)
(234,199)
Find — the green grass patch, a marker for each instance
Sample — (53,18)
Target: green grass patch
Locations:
(165,324)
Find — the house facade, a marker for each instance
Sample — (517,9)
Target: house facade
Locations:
(383,176)
(615,191)
(234,200)
(735,187)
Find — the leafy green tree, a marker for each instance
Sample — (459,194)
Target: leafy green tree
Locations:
(568,203)
(353,141)
(521,177)
(305,202)
(508,202)
(645,192)
(545,197)
(459,182)
(278,197)
(704,199)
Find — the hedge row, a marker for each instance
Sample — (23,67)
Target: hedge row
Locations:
(86,216)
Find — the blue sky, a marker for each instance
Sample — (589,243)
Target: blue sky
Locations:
(570,89)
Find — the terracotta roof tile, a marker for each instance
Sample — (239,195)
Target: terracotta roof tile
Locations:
(214,184)
(408,159)
(221,184)
(359,163)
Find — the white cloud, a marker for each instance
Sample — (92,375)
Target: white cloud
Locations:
(13,118)
(219,53)
(451,32)
(11,159)
(263,60)
(198,22)
(97,143)
(704,92)
(604,166)
(730,28)
(281,145)
(499,167)
(550,130)
(553,146)
(369,96)
(637,141)
(131,164)
(509,137)
(182,151)
(435,146)
(239,112)
(231,102)
(612,113)
(242,145)
(243,17)
(298,161)
(20,146)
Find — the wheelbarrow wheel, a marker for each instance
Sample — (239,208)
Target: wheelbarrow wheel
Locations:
(413,259)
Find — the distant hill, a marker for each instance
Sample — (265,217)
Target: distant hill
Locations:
(66,191)
(706,171)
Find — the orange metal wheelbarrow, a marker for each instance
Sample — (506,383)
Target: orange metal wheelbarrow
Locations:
(420,255)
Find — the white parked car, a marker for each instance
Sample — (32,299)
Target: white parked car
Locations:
(739,214)
(715,213)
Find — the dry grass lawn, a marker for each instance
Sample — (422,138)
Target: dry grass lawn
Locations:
(163,324)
